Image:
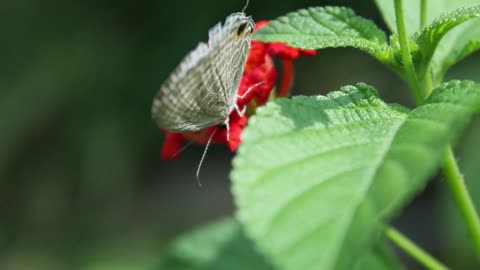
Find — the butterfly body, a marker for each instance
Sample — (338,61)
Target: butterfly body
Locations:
(202,90)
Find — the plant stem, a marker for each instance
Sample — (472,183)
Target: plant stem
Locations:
(423,14)
(420,94)
(405,52)
(426,84)
(413,250)
(457,187)
(462,199)
(450,167)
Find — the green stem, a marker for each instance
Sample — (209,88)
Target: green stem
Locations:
(462,199)
(423,14)
(450,167)
(413,250)
(457,187)
(420,94)
(405,52)
(427,83)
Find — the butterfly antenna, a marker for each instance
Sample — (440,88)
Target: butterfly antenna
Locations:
(245,7)
(203,156)
(181,149)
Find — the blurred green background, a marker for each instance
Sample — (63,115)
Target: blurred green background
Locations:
(81,182)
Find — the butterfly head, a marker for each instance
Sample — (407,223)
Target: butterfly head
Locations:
(242,25)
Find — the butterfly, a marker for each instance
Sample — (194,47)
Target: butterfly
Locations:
(202,90)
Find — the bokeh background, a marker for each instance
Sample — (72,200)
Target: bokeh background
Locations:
(81,182)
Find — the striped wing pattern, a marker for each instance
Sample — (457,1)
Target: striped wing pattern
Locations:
(201,91)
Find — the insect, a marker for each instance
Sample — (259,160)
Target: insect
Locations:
(202,90)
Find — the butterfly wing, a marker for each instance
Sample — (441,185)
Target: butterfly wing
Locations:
(201,91)
(229,58)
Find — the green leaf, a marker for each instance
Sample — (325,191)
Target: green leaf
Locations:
(221,245)
(457,44)
(327,27)
(315,177)
(456,54)
(412,11)
(430,37)
(454,45)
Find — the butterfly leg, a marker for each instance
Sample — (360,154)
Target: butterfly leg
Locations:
(227,124)
(249,89)
(240,112)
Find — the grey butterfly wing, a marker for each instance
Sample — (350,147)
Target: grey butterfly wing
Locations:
(201,91)
(232,56)
(178,105)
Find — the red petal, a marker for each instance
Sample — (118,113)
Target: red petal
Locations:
(283,51)
(171,145)
(286,52)
(260,24)
(256,56)
(235,133)
(220,135)
(202,136)
(287,78)
(264,74)
(308,52)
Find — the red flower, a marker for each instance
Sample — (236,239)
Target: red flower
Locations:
(172,144)
(259,72)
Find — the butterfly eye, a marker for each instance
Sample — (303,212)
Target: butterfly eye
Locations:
(241,28)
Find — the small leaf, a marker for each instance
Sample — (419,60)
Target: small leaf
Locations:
(411,9)
(457,44)
(430,37)
(315,177)
(455,55)
(218,246)
(327,27)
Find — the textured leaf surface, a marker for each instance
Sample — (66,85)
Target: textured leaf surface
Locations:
(314,176)
(223,245)
(326,27)
(430,37)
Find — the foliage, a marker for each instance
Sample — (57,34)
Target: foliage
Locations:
(317,179)
(327,27)
(346,153)
(223,245)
